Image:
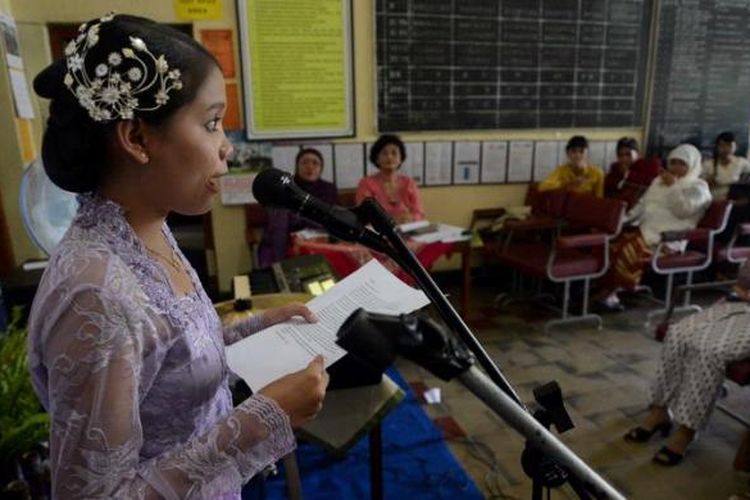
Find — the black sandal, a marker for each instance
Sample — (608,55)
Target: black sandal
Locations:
(641,435)
(667,457)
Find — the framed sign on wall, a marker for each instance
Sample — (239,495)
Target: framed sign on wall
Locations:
(297,68)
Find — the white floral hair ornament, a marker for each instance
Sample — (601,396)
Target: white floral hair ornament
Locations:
(114,92)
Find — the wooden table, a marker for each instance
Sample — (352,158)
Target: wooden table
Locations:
(346,258)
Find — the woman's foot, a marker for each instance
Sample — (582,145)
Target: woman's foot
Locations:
(610,303)
(657,420)
(642,434)
(674,451)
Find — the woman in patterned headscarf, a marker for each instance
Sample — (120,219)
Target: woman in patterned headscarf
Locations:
(675,201)
(691,369)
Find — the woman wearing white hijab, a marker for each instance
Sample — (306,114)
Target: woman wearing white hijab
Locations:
(675,201)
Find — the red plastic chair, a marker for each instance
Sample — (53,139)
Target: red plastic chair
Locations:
(255,220)
(572,257)
(734,251)
(697,257)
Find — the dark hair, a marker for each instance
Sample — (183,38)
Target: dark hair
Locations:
(577,141)
(725,137)
(382,142)
(306,151)
(627,142)
(722,137)
(74,148)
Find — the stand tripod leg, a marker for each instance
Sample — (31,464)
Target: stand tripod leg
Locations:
(376,463)
(482,387)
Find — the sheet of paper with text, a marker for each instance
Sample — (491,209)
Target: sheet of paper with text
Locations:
(289,347)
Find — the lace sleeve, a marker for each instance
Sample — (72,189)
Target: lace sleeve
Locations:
(241,329)
(101,354)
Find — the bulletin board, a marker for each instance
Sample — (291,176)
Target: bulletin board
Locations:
(297,72)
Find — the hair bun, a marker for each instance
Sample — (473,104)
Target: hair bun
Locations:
(49,82)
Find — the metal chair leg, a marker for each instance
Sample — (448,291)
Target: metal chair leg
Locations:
(585,315)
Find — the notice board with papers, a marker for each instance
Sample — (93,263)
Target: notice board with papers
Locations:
(297,68)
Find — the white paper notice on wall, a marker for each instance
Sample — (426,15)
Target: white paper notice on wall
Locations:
(413,166)
(9,38)
(520,156)
(350,164)
(466,163)
(326,150)
(370,168)
(437,163)
(545,159)
(21,93)
(562,152)
(494,161)
(597,152)
(283,157)
(237,189)
(610,154)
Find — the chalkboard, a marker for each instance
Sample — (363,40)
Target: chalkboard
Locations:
(702,74)
(495,64)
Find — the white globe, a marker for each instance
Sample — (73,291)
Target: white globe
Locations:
(46,209)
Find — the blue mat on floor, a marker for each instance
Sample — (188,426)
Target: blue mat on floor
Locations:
(416,462)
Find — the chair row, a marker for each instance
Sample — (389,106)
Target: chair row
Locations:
(567,240)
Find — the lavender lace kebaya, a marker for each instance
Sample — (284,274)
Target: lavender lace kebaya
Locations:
(135,378)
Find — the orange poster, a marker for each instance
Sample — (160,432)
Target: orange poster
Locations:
(232,116)
(25,131)
(219,43)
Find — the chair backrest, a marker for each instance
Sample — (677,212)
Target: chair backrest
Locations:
(255,219)
(717,215)
(531,193)
(602,214)
(255,215)
(550,203)
(348,198)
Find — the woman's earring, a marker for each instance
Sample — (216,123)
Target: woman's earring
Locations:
(145,157)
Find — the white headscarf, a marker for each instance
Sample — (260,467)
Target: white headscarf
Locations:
(692,158)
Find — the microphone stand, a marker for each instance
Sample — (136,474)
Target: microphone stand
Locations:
(370,212)
(447,359)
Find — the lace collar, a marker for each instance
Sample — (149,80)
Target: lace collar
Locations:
(107,219)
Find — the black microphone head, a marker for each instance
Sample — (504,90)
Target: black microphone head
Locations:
(272,187)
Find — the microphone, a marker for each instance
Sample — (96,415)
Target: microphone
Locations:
(274,188)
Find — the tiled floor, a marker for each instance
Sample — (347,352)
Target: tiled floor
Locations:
(604,375)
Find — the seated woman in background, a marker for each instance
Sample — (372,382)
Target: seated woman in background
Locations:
(691,369)
(725,168)
(396,193)
(629,176)
(577,174)
(675,201)
(282,222)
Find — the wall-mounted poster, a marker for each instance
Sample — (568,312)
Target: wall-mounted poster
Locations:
(297,68)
